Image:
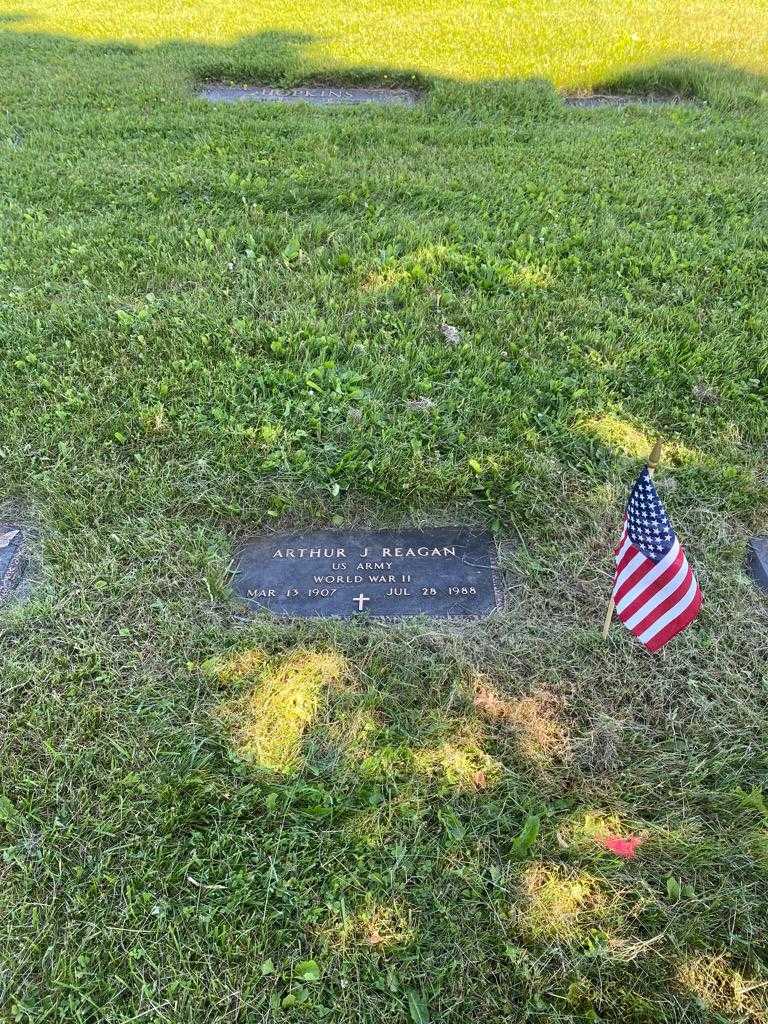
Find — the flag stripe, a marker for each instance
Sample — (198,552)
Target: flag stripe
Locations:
(672,614)
(667,584)
(625,551)
(633,579)
(622,548)
(647,616)
(631,565)
(673,593)
(678,625)
(669,561)
(623,539)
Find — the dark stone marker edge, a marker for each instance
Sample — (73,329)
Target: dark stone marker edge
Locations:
(757,563)
(17,566)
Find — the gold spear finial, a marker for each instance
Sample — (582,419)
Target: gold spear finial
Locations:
(655,457)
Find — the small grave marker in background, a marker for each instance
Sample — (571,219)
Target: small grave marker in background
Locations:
(757,561)
(318,96)
(445,573)
(616,99)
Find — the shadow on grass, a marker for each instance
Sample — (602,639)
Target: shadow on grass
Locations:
(717,84)
(279,58)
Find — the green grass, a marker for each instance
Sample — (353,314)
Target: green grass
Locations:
(576,43)
(214,320)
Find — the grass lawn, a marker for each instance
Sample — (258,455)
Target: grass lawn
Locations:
(217,320)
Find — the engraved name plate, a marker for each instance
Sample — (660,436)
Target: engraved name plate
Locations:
(444,573)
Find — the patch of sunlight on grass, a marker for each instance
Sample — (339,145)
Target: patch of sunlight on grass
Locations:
(560,906)
(377,926)
(458,761)
(425,267)
(242,665)
(385,280)
(527,276)
(581,830)
(418,267)
(267,724)
(623,437)
(575,43)
(533,719)
(464,766)
(619,435)
(354,733)
(387,761)
(724,990)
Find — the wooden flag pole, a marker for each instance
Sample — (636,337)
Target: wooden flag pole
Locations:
(653,460)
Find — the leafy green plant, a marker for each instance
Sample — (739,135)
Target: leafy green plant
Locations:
(525,840)
(417,1008)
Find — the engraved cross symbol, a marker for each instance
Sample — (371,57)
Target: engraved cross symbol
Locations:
(360,601)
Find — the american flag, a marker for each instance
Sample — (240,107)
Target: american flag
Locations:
(655,591)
